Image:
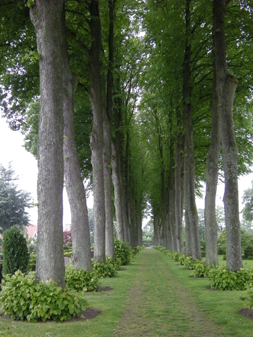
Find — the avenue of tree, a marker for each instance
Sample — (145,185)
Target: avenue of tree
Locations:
(147,100)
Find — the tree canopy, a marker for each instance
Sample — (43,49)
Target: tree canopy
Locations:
(13,201)
(145,80)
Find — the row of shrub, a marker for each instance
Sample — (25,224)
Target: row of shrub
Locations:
(220,277)
(25,298)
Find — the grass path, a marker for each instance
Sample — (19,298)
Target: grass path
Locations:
(159,305)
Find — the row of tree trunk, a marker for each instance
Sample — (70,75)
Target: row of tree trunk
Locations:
(58,155)
(222,137)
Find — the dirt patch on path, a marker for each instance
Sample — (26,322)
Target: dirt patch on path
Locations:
(158,305)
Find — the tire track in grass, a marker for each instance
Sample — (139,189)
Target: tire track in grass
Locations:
(158,305)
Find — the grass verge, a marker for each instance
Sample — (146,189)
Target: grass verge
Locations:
(221,306)
(111,304)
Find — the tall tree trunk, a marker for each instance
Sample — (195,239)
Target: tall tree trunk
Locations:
(98,103)
(226,85)
(109,241)
(190,204)
(117,193)
(212,170)
(117,164)
(48,20)
(80,231)
(179,183)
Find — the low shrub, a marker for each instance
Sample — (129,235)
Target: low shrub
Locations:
(225,279)
(103,270)
(24,298)
(67,252)
(248,251)
(123,252)
(181,259)
(32,262)
(176,256)
(136,250)
(248,296)
(81,279)
(201,269)
(189,263)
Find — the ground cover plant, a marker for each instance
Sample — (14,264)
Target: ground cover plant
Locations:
(24,298)
(81,280)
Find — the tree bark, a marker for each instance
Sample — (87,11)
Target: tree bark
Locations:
(212,170)
(48,20)
(226,86)
(98,103)
(117,193)
(109,241)
(190,204)
(80,231)
(179,183)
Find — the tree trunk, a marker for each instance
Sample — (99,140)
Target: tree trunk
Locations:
(97,99)
(117,193)
(190,204)
(48,20)
(179,183)
(109,241)
(80,231)
(212,170)
(226,86)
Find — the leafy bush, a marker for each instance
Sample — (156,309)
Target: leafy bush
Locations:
(201,269)
(176,256)
(24,298)
(136,250)
(123,252)
(181,258)
(225,279)
(103,270)
(81,279)
(32,262)
(15,251)
(189,263)
(248,297)
(67,252)
(248,252)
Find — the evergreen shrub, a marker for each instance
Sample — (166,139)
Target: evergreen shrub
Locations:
(15,251)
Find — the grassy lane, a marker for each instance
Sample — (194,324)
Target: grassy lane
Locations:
(159,305)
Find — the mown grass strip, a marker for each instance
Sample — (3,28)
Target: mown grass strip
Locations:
(111,304)
(159,305)
(222,307)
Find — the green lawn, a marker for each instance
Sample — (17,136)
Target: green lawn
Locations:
(154,296)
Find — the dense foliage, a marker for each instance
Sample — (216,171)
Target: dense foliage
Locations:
(123,252)
(25,298)
(81,280)
(15,251)
(13,202)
